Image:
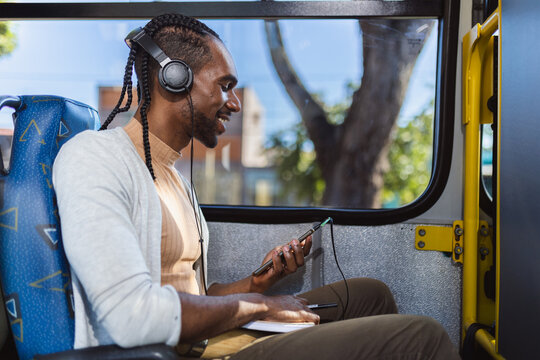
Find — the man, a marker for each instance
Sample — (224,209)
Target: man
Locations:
(133,231)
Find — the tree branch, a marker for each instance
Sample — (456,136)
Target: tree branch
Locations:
(320,131)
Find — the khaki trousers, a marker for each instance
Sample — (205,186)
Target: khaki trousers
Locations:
(372,329)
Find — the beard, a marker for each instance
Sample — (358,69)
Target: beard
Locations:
(205,129)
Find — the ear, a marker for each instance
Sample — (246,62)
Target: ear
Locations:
(166,103)
(163,94)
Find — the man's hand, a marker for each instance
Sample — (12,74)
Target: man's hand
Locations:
(288,308)
(293,259)
(207,316)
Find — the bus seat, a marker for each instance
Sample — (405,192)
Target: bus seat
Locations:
(34,272)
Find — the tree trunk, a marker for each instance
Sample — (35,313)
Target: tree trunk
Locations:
(353,155)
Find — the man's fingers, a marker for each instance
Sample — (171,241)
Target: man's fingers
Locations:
(290,260)
(298,252)
(302,300)
(314,317)
(278,264)
(309,315)
(293,256)
(307,245)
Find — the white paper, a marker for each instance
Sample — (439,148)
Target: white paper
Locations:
(275,326)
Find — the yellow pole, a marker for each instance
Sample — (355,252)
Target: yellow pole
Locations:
(471,184)
(488,343)
(475,44)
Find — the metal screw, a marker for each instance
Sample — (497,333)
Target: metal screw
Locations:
(422,232)
(421,244)
(483,253)
(484,231)
(458,231)
(458,250)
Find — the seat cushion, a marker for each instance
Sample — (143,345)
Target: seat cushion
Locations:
(34,271)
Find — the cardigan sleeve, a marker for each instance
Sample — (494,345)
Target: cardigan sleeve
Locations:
(95,195)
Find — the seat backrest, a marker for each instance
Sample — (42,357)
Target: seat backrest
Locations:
(33,269)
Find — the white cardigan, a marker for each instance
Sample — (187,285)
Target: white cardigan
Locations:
(111,231)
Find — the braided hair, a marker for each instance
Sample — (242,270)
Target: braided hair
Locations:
(180,37)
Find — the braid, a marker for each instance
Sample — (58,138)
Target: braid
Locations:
(178,20)
(127,85)
(144,111)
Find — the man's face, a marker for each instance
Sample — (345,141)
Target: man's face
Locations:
(213,96)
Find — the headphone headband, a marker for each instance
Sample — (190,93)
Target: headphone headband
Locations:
(174,75)
(141,37)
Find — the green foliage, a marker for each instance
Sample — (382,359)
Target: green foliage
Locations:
(8,40)
(410,158)
(296,166)
(336,113)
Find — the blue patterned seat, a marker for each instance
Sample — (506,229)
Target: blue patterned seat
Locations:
(34,272)
(33,269)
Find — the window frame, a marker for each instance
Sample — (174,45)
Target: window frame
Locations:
(445,11)
(224,9)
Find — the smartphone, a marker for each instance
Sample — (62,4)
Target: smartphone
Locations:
(267,265)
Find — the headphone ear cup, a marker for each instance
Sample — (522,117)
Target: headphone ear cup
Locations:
(176,76)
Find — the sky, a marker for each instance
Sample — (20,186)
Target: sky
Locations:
(73,58)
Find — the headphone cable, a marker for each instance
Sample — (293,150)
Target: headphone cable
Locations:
(340,271)
(193,197)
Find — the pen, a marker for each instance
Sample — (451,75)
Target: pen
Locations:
(321,306)
(269,263)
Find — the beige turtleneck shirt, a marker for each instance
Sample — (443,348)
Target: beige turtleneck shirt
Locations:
(180,247)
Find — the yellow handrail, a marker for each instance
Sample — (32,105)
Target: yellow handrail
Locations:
(475,46)
(488,342)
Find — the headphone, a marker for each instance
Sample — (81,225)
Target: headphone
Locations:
(174,75)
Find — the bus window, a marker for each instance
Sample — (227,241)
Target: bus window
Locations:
(358,133)
(330,138)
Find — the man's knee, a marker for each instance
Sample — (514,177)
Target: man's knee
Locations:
(378,292)
(431,337)
(426,325)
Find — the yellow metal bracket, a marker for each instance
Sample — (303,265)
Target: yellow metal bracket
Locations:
(457,241)
(484,240)
(434,238)
(441,238)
